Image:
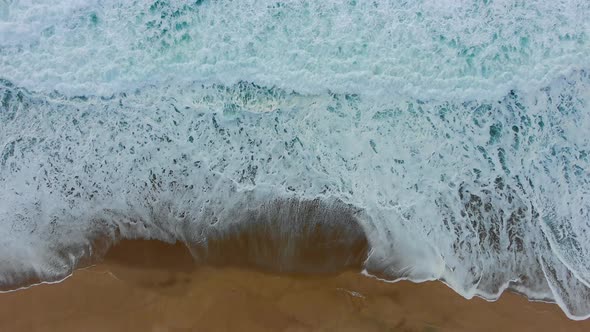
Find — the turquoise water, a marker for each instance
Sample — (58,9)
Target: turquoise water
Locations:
(458,130)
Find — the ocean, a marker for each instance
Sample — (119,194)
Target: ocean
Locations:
(452,137)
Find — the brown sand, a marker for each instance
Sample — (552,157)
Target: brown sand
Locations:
(149,286)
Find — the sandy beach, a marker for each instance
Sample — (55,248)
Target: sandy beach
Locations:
(151,286)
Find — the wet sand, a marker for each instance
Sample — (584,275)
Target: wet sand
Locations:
(151,286)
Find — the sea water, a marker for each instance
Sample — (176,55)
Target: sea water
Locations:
(457,132)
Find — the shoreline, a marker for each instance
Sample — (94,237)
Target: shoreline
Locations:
(153,286)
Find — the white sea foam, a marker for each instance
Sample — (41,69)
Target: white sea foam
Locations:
(421,49)
(457,129)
